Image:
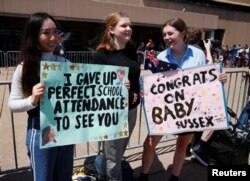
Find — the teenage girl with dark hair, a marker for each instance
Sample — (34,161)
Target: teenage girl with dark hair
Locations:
(39,42)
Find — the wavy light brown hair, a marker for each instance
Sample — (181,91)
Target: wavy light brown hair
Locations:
(107,41)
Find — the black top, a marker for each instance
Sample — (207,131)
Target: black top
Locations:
(124,58)
(34,112)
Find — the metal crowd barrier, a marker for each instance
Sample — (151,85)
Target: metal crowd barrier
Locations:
(9,58)
(13,126)
(79,56)
(2,59)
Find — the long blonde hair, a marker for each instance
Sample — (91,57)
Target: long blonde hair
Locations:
(107,41)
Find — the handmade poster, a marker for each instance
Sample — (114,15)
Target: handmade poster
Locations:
(82,102)
(185,101)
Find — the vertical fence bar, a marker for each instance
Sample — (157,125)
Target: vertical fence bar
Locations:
(13,133)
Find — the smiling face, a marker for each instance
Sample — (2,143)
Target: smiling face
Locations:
(172,37)
(48,36)
(121,32)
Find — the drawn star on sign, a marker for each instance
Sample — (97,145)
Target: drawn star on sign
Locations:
(77,67)
(121,133)
(72,67)
(53,66)
(44,75)
(126,133)
(125,125)
(45,66)
(106,137)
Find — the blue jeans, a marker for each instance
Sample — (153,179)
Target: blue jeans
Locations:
(49,164)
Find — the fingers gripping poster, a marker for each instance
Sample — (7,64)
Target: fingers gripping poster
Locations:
(82,102)
(185,100)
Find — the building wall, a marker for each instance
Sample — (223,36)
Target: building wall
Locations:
(235,23)
(142,12)
(96,10)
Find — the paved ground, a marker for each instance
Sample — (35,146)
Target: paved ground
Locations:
(160,171)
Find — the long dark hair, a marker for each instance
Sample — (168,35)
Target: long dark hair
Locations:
(30,52)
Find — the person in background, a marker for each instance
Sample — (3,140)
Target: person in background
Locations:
(178,55)
(160,46)
(115,49)
(199,148)
(234,56)
(39,41)
(247,55)
(150,45)
(141,53)
(194,37)
(60,47)
(149,54)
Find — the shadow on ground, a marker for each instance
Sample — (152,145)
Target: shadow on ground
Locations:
(17,176)
(192,170)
